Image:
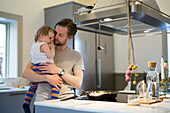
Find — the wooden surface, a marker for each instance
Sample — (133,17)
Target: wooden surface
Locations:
(149,101)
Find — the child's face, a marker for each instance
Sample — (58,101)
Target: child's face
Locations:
(48,38)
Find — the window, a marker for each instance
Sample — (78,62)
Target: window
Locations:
(2,49)
(168,49)
(10,45)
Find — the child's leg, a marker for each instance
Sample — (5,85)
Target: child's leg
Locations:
(33,87)
(54,92)
(28,97)
(30,93)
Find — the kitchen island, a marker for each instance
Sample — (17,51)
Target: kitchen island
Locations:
(89,106)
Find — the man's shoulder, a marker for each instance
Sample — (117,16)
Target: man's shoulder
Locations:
(74,51)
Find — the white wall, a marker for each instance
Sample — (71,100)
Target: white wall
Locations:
(164,6)
(146,48)
(33,18)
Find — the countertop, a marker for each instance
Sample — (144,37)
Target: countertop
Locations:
(106,107)
(13,89)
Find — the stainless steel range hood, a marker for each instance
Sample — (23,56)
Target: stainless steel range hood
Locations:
(145,17)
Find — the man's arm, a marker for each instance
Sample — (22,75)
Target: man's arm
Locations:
(34,77)
(75,80)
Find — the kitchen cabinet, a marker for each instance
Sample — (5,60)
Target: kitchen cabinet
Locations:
(105,63)
(11,102)
(56,13)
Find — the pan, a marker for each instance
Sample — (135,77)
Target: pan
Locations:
(100,95)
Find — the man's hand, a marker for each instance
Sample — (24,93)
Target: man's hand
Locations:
(49,67)
(55,80)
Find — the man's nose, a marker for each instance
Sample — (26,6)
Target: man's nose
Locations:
(56,36)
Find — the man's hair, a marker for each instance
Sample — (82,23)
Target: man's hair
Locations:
(72,28)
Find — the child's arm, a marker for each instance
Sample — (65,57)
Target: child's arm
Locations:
(49,51)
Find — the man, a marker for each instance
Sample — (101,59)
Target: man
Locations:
(67,61)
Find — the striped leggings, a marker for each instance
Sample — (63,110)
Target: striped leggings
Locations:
(33,87)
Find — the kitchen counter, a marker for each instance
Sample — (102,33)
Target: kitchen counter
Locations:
(13,89)
(87,106)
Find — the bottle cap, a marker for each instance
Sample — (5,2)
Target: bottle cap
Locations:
(152,64)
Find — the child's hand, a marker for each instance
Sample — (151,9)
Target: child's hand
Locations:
(51,45)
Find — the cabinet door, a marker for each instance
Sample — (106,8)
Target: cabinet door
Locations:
(85,44)
(105,63)
(12,102)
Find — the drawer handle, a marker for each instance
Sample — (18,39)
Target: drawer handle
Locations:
(16,94)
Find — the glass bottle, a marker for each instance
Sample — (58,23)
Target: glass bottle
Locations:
(152,79)
(141,87)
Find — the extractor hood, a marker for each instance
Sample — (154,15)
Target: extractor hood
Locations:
(145,17)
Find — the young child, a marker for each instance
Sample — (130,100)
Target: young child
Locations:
(41,51)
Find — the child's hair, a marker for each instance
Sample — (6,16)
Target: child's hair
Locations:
(45,30)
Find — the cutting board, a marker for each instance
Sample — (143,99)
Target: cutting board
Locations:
(146,101)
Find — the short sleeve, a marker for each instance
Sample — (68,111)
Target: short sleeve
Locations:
(79,63)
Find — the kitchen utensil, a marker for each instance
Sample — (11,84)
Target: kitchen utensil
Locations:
(102,95)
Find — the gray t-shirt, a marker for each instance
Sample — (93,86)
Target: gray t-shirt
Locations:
(68,60)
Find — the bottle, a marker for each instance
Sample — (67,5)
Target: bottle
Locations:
(141,89)
(141,86)
(152,79)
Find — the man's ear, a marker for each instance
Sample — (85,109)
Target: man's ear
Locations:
(70,37)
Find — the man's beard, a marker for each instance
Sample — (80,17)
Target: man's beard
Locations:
(59,43)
